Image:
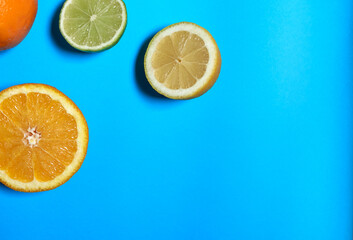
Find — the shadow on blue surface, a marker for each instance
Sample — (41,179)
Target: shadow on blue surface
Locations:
(5,86)
(3,52)
(56,36)
(140,76)
(9,191)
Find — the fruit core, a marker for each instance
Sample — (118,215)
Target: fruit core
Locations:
(32,137)
(93,17)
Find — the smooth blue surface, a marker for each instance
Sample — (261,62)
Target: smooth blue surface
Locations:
(265,154)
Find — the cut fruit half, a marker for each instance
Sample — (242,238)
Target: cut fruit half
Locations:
(43,138)
(182,61)
(93,25)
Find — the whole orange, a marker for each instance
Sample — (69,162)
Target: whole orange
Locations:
(16,19)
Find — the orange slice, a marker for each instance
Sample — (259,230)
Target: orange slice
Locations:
(43,138)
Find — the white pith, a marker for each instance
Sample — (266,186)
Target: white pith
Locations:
(36,185)
(103,45)
(93,17)
(210,45)
(31,137)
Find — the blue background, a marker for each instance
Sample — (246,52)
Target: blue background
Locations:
(265,154)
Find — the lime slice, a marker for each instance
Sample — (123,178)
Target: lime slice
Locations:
(93,25)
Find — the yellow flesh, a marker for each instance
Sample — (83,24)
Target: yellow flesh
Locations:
(45,158)
(180,60)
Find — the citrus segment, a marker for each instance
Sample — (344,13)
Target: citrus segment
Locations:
(182,61)
(7,130)
(43,137)
(46,167)
(14,109)
(93,25)
(20,165)
(51,117)
(63,150)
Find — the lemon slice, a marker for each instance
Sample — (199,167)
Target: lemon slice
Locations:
(182,61)
(93,25)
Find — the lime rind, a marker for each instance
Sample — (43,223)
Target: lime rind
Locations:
(100,32)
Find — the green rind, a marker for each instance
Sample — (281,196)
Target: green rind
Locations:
(98,49)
